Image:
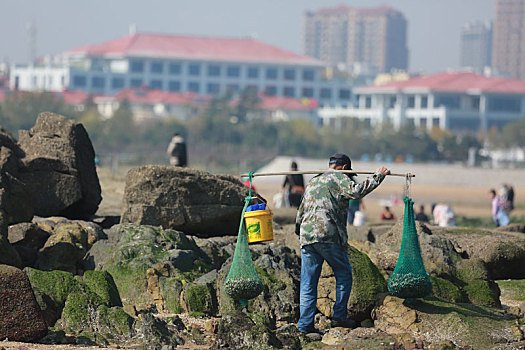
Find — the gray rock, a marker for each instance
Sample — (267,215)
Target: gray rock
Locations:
(153,333)
(148,264)
(239,331)
(208,278)
(8,254)
(14,193)
(27,255)
(512,228)
(20,316)
(181,259)
(360,233)
(27,234)
(502,252)
(218,249)
(60,168)
(188,200)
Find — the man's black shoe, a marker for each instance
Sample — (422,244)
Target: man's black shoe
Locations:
(348,323)
(311,331)
(313,335)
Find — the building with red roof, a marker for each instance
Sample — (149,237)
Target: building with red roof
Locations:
(181,64)
(453,100)
(153,104)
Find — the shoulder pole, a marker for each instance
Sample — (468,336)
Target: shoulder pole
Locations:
(323,171)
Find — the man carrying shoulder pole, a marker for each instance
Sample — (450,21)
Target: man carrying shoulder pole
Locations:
(321,225)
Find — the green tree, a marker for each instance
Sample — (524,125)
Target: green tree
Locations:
(119,130)
(21,109)
(513,134)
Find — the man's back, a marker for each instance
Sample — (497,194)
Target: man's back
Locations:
(323,211)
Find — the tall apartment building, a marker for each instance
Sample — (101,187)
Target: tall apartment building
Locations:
(508,53)
(373,37)
(476,45)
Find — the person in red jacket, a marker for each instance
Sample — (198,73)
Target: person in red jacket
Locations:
(387,214)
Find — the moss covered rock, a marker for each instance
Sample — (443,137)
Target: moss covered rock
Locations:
(102,283)
(513,290)
(473,277)
(502,252)
(64,249)
(132,250)
(79,308)
(171,289)
(113,322)
(55,284)
(447,290)
(200,298)
(434,320)
(239,331)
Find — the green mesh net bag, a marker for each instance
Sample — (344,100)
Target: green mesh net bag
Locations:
(242,282)
(409,279)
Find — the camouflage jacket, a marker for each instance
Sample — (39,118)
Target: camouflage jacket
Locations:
(321,217)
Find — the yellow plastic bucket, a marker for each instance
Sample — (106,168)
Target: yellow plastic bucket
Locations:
(259,225)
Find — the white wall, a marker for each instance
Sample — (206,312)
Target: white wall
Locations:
(39,78)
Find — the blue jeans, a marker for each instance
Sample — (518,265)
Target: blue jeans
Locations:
(312,257)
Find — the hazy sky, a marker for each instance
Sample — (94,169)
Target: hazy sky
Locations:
(433,25)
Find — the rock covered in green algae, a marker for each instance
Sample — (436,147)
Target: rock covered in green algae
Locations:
(102,283)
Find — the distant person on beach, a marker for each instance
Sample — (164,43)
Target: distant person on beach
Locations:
(354,206)
(293,187)
(177,151)
(387,214)
(443,215)
(420,215)
(500,217)
(507,198)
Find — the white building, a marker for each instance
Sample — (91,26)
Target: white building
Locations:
(456,101)
(45,77)
(203,65)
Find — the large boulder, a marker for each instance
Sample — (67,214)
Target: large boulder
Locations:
(64,249)
(188,200)
(27,234)
(13,191)
(432,320)
(438,252)
(503,252)
(149,264)
(87,307)
(20,315)
(60,167)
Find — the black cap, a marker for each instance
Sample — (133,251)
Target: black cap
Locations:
(340,159)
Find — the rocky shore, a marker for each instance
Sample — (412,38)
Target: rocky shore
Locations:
(154,278)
